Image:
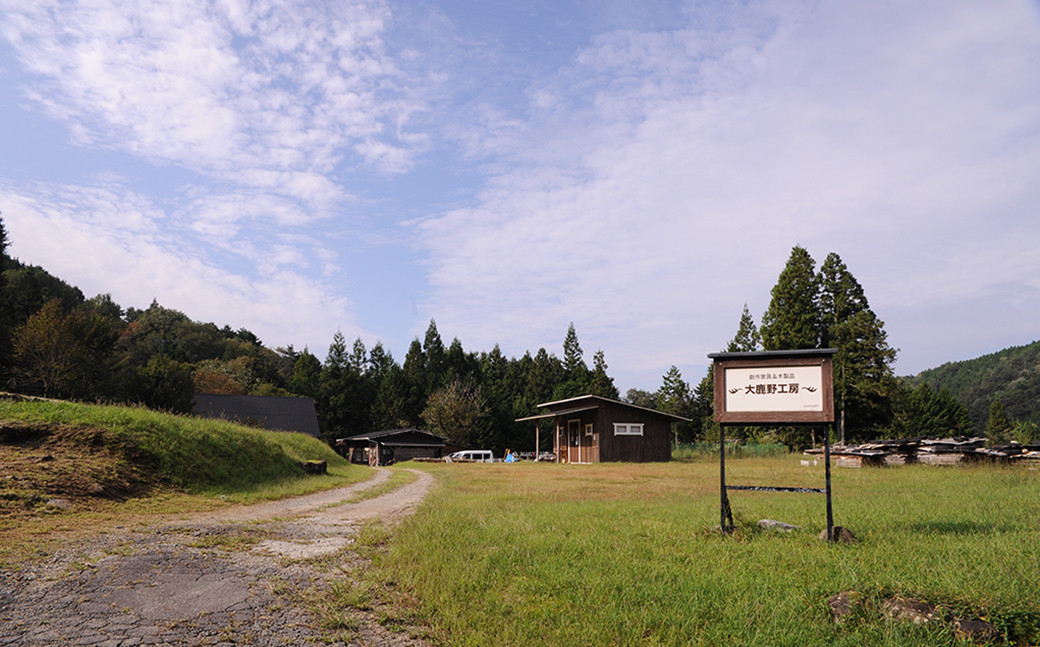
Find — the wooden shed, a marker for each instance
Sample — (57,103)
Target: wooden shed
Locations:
(390,446)
(593,429)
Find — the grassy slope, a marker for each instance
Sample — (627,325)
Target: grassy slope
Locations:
(629,554)
(110,461)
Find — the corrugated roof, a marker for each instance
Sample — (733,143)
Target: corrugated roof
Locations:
(279,413)
(387,433)
(592,402)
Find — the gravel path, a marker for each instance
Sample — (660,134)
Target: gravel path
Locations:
(235,577)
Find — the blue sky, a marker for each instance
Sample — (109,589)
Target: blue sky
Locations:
(506,168)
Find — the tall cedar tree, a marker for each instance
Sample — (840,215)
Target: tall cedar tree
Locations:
(792,320)
(864,383)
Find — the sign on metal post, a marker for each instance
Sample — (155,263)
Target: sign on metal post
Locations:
(793,387)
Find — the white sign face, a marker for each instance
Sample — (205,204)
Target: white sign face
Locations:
(776,388)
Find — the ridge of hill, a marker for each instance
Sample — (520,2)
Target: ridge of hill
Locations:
(1011,374)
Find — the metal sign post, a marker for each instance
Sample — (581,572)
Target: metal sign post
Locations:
(790,388)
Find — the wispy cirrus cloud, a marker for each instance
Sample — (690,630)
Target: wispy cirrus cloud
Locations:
(267,95)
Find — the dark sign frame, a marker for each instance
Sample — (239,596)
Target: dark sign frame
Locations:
(821,357)
(771,360)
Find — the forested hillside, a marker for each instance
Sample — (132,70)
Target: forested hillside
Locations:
(1011,376)
(55,342)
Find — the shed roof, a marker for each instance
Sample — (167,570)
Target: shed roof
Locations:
(397,437)
(588,403)
(278,413)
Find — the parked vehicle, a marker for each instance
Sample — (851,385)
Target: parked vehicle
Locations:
(476,455)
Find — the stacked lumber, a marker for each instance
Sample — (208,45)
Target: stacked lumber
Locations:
(930,451)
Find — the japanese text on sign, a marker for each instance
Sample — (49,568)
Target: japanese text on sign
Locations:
(795,388)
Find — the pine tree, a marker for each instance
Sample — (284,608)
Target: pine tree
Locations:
(792,320)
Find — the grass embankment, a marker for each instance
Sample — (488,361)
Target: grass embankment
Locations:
(64,464)
(537,554)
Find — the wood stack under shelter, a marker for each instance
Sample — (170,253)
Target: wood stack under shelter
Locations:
(930,451)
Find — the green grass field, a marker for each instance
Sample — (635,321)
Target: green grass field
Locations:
(542,554)
(619,554)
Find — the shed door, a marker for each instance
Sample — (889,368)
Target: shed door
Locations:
(590,445)
(574,441)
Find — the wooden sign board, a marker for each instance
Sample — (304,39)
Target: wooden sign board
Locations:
(774,387)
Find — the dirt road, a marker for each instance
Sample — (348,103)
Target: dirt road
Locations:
(235,577)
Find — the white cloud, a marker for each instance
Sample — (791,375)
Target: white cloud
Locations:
(269,94)
(672,173)
(115,241)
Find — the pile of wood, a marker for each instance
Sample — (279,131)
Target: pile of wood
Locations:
(931,451)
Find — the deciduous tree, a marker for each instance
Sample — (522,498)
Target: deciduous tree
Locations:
(458,412)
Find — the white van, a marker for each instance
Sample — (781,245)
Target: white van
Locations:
(476,455)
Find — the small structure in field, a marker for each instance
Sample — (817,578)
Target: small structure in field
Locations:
(379,448)
(593,429)
(277,413)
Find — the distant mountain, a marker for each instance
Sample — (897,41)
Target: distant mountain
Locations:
(1013,374)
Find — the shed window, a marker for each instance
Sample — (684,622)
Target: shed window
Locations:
(628,429)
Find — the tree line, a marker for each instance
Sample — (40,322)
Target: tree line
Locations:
(828,308)
(54,342)
(57,343)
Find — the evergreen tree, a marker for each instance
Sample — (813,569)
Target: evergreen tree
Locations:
(386,378)
(747,338)
(3,247)
(676,397)
(792,320)
(576,373)
(864,384)
(928,413)
(331,404)
(999,429)
(412,389)
(435,359)
(358,360)
(600,383)
(841,297)
(460,365)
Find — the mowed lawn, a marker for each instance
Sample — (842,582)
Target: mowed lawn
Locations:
(623,554)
